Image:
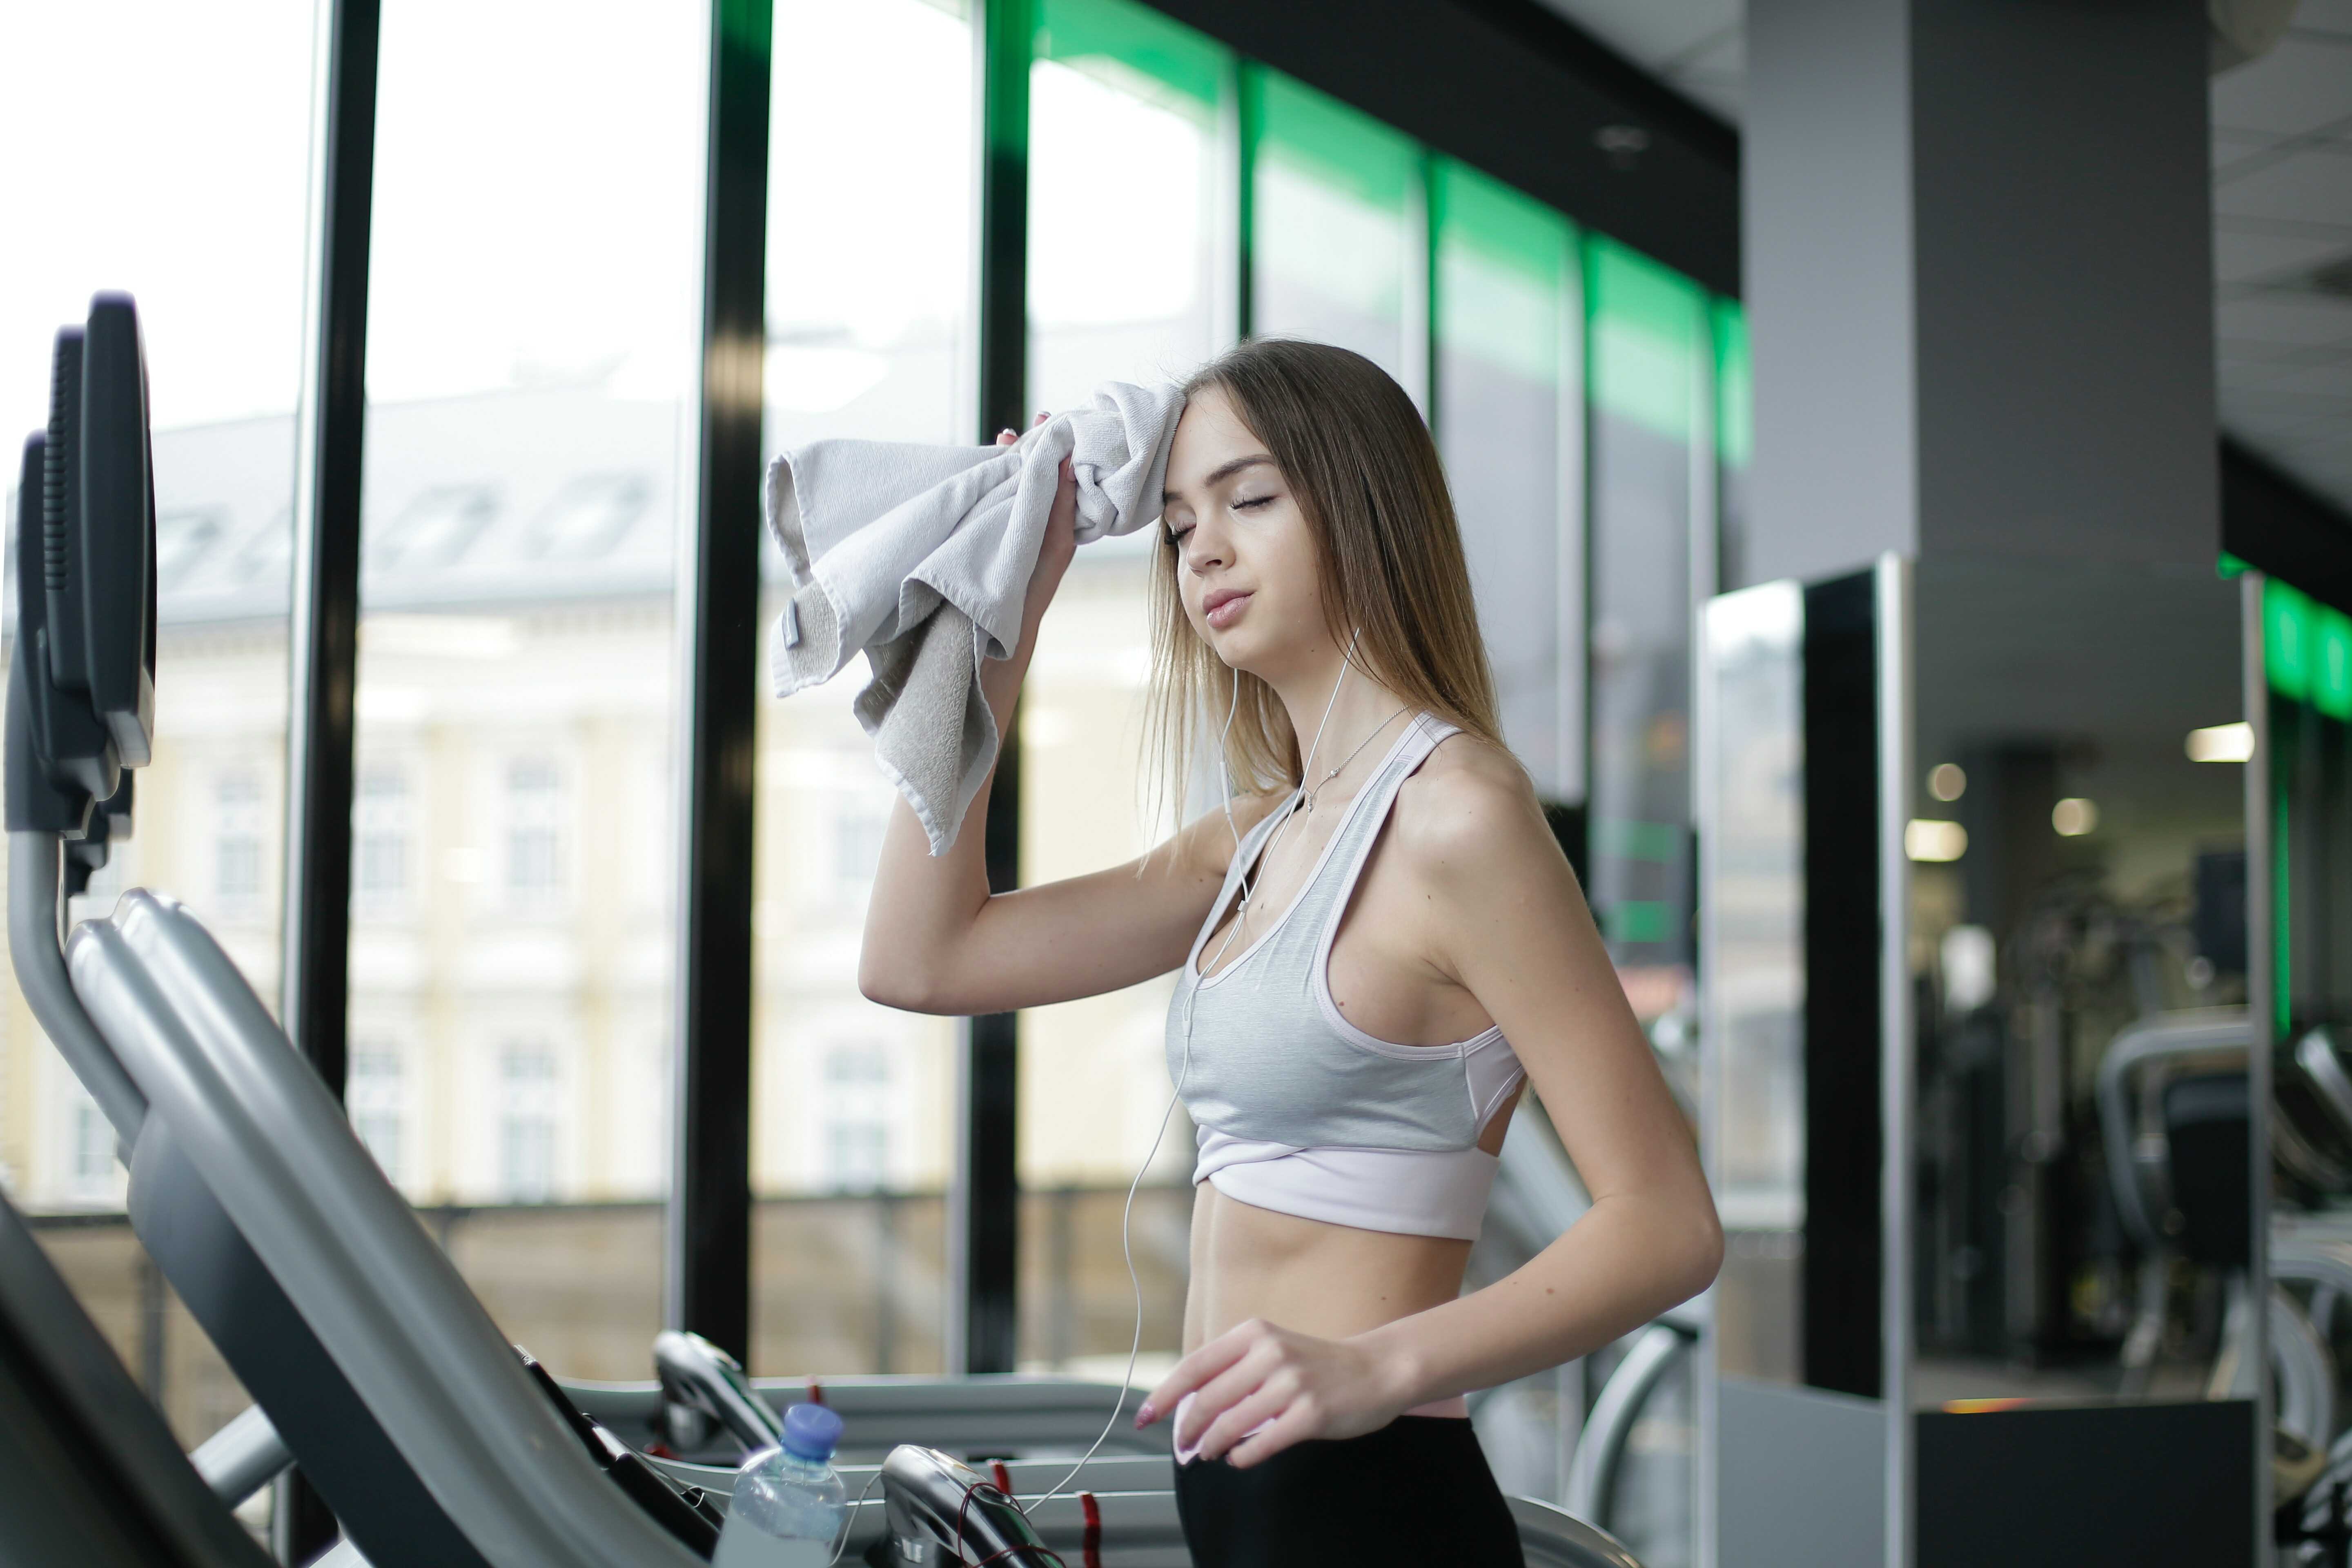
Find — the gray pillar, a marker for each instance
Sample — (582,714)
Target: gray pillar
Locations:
(1979,280)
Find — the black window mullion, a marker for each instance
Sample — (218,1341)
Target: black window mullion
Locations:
(323,615)
(984,1199)
(707,1281)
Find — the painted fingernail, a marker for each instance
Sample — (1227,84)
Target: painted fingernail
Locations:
(1144,1414)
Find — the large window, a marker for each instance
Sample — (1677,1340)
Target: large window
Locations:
(1120,100)
(1507,337)
(532,359)
(870,334)
(1336,220)
(1650,563)
(195,203)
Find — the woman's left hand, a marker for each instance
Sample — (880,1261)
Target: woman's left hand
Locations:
(1255,1371)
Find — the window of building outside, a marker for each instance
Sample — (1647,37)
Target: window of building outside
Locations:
(1646,374)
(236,839)
(382,821)
(530,438)
(534,849)
(1336,246)
(1124,107)
(870,335)
(195,205)
(1507,407)
(375,1094)
(529,1108)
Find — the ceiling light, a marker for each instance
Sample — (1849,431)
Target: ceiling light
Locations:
(2075,816)
(1925,839)
(2223,744)
(1946,781)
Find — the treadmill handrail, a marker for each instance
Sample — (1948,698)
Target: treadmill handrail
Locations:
(2202,1031)
(381,1296)
(1601,1446)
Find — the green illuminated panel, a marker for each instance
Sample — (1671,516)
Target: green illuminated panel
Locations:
(1331,143)
(1136,50)
(2289,634)
(2331,665)
(1735,408)
(1645,337)
(1502,261)
(1639,920)
(1659,841)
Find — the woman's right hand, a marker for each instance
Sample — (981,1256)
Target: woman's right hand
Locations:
(1061,541)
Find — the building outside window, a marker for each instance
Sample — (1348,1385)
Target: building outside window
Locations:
(858,1082)
(527,1122)
(381,820)
(236,839)
(856,845)
(91,1155)
(534,806)
(375,1094)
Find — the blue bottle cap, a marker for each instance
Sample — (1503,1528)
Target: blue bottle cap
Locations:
(812,1431)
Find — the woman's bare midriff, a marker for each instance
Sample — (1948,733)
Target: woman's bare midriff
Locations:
(1330,1280)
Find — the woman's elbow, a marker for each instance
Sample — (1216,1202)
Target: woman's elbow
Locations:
(1701,1252)
(893,984)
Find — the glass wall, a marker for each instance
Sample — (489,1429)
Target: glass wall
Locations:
(1507,416)
(197,206)
(1125,108)
(1336,227)
(533,349)
(870,333)
(1646,375)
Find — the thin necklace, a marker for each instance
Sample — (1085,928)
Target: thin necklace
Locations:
(1309,795)
(1254,874)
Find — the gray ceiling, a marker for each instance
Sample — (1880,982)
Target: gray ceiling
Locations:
(2282,211)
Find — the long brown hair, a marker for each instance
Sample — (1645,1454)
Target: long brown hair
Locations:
(1369,482)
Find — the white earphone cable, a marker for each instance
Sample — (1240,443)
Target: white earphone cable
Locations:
(1135,1281)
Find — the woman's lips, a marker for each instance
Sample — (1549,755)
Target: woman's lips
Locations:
(1227,612)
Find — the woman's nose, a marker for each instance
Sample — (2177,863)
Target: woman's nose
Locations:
(1204,548)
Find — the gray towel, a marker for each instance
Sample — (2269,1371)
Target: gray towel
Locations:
(921,556)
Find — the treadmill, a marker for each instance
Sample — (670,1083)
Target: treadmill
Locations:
(430,1438)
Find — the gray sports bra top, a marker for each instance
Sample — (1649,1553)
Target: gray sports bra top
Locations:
(1297,1109)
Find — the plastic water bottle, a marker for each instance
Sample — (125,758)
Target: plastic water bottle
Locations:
(788,1503)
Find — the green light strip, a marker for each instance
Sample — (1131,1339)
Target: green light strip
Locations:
(1644,339)
(1735,396)
(1121,40)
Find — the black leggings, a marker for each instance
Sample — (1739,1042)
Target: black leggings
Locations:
(1415,1493)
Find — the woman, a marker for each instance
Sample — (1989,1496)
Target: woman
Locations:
(1376,955)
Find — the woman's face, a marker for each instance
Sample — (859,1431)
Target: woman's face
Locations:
(1245,562)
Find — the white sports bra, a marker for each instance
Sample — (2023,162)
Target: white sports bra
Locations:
(1300,1112)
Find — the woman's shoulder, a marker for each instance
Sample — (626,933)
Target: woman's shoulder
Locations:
(1469,804)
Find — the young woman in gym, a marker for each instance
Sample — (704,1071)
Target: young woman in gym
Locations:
(1378,945)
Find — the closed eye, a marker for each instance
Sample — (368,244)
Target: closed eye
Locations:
(1246,504)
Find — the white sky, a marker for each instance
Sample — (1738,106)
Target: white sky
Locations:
(538,191)
(537,208)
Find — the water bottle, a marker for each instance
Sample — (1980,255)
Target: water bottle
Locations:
(788,1503)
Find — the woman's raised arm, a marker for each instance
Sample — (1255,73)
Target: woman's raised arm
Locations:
(937,941)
